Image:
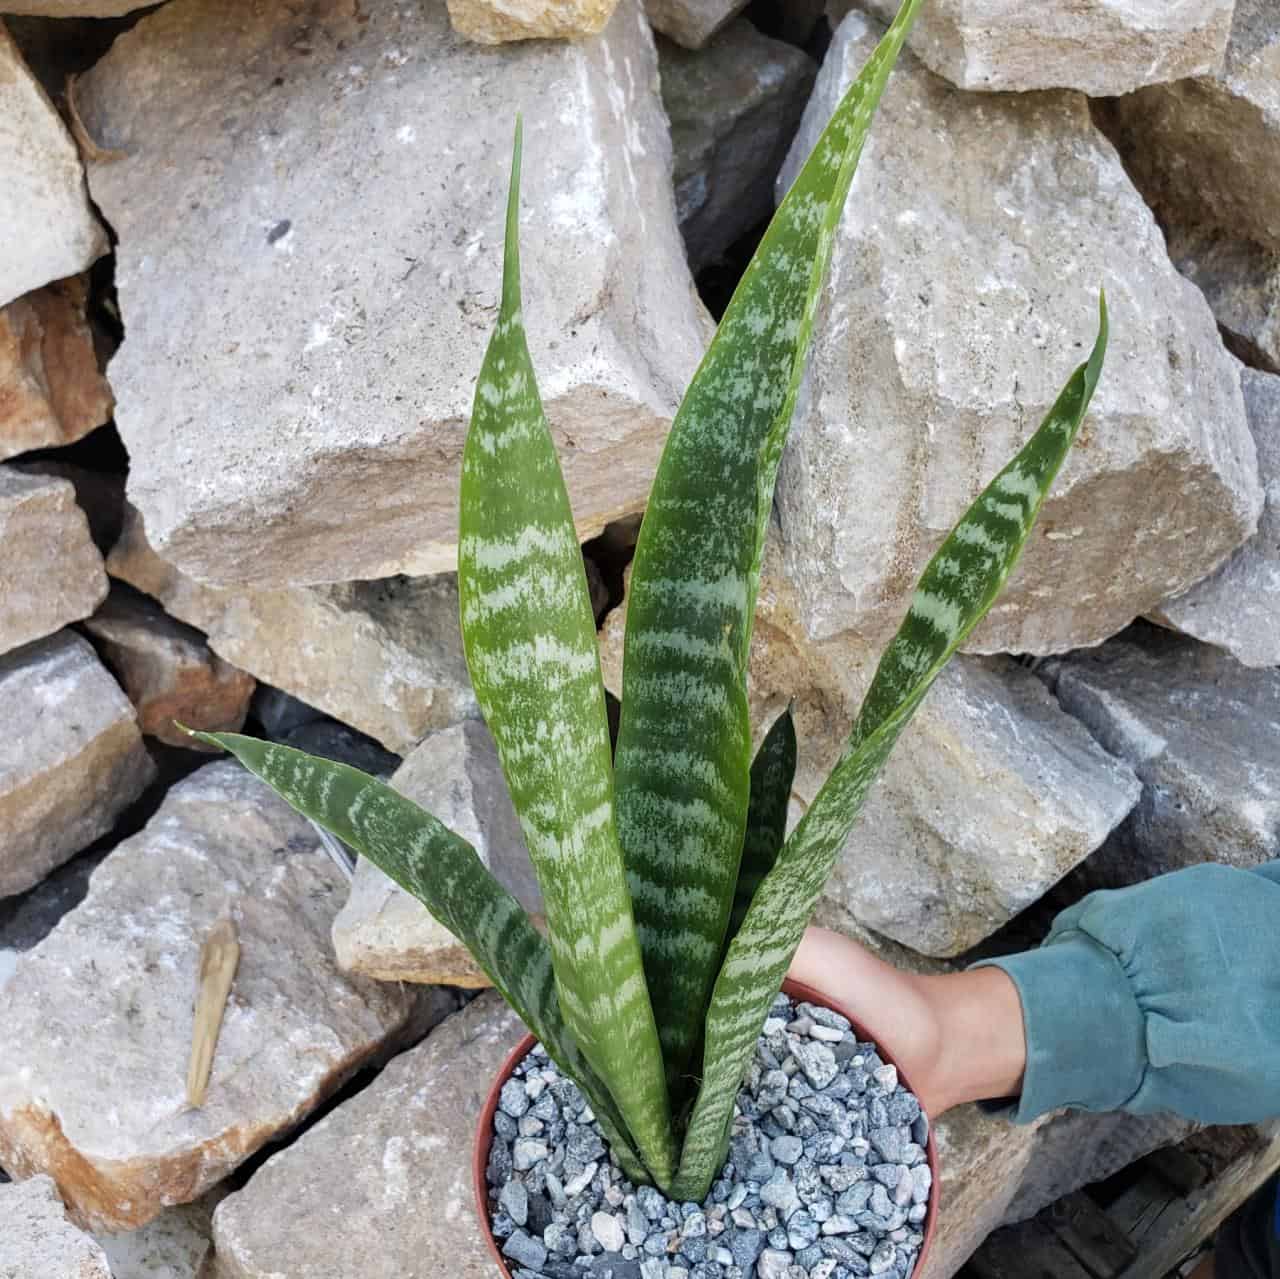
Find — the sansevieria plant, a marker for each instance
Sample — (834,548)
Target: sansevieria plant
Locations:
(674,898)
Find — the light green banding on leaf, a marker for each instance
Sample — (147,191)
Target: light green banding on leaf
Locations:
(684,743)
(443,872)
(946,607)
(530,641)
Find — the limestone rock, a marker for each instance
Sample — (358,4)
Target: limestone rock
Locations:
(167,670)
(1203,152)
(403,1143)
(98,1016)
(99,494)
(38,1242)
(50,231)
(386,932)
(954,312)
(497,21)
(51,571)
(71,757)
(51,390)
(692,22)
(1203,734)
(173,1246)
(734,107)
(301,419)
(992,795)
(384,656)
(1238,607)
(1100,47)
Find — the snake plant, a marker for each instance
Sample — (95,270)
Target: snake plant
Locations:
(674,898)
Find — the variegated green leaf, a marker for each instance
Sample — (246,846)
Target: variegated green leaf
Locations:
(530,641)
(684,742)
(443,872)
(959,585)
(772,773)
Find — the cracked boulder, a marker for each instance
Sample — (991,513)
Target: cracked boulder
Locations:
(954,312)
(308,306)
(71,757)
(98,1016)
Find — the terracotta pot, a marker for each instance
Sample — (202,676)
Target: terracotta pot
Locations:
(797,990)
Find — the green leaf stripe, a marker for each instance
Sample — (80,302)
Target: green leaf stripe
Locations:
(958,587)
(683,753)
(530,641)
(444,872)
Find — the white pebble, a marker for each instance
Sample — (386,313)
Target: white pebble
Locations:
(608,1231)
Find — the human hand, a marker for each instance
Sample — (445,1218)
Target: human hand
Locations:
(957,1036)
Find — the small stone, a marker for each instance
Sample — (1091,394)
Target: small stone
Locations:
(838,1224)
(802,1230)
(527,1152)
(886,1077)
(826,1034)
(786,1150)
(779,1193)
(773,1264)
(651,1202)
(608,1231)
(487,22)
(817,1062)
(691,23)
(514,1199)
(888,1143)
(746,1246)
(576,1185)
(882,1258)
(527,1251)
(513,1100)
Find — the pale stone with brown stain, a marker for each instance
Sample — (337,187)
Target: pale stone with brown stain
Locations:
(50,231)
(383,656)
(384,931)
(500,21)
(955,311)
(51,389)
(98,1016)
(302,419)
(168,670)
(1100,47)
(71,756)
(395,1160)
(50,571)
(38,1242)
(692,22)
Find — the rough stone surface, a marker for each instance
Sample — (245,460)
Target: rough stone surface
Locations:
(50,231)
(71,756)
(386,932)
(167,670)
(99,494)
(1238,607)
(1101,47)
(498,21)
(1203,734)
(954,312)
(403,1142)
(734,107)
(384,656)
(51,390)
(173,1246)
(310,420)
(1196,149)
(692,23)
(992,795)
(98,1016)
(50,569)
(38,1242)
(72,8)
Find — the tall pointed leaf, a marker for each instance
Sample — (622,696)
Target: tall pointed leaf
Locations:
(684,741)
(959,585)
(530,640)
(443,872)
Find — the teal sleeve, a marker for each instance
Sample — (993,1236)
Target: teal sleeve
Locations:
(1160,997)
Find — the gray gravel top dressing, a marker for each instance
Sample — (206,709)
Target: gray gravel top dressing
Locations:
(827,1175)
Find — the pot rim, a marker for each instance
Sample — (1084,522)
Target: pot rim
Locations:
(796,990)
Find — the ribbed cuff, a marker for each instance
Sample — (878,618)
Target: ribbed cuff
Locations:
(1086,1035)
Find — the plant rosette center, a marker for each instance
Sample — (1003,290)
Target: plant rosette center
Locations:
(829,1175)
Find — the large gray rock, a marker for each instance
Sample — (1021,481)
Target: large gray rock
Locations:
(1203,734)
(50,569)
(398,1158)
(1100,47)
(992,795)
(385,932)
(38,1242)
(1203,151)
(50,231)
(98,1016)
(71,756)
(954,312)
(308,306)
(384,656)
(692,22)
(1238,607)
(734,107)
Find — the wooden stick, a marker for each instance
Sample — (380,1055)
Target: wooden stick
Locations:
(219,957)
